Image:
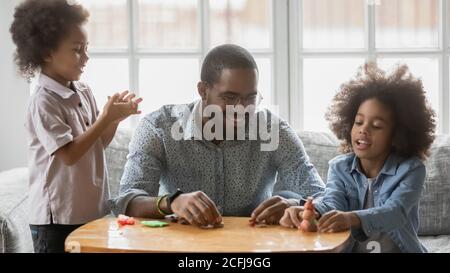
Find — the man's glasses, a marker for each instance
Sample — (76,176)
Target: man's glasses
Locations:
(229,99)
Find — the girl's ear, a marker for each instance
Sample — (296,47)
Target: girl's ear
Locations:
(202,88)
(47,57)
(396,141)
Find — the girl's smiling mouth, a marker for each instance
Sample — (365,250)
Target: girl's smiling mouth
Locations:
(363,144)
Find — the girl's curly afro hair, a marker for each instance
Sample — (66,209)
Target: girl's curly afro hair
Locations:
(414,123)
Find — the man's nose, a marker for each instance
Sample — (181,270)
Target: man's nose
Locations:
(239,101)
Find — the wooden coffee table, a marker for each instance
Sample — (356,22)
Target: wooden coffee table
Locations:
(104,235)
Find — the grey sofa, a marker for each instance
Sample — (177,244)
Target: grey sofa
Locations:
(321,147)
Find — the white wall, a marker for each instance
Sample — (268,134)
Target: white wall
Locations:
(13,98)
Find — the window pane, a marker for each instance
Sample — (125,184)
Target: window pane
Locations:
(425,68)
(106,77)
(333,24)
(168,81)
(448,23)
(108,23)
(407,23)
(265,80)
(243,22)
(321,80)
(168,24)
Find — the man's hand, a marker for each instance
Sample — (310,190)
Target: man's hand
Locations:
(292,217)
(335,221)
(197,208)
(271,210)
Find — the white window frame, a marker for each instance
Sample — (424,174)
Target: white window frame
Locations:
(287,54)
(278,53)
(370,52)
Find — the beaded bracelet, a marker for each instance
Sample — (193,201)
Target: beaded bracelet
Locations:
(158,202)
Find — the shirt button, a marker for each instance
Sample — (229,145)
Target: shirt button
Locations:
(87,123)
(80,105)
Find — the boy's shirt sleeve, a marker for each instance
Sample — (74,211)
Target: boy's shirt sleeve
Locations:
(50,126)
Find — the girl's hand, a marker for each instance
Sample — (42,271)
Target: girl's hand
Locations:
(336,221)
(121,106)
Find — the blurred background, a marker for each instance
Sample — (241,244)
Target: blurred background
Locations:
(304,49)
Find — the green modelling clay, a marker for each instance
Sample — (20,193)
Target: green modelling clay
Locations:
(154,223)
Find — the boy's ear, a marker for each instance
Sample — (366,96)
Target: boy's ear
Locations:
(202,88)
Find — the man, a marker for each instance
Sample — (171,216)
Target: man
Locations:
(201,176)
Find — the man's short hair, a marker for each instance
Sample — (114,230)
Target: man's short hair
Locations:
(227,56)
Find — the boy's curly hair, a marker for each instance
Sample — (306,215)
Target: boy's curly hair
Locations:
(38,28)
(414,123)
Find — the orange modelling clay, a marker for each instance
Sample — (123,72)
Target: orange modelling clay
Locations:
(309,223)
(123,220)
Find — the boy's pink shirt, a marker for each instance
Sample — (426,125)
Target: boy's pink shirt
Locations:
(58,193)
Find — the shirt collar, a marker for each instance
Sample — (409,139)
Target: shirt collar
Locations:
(57,88)
(389,167)
(194,124)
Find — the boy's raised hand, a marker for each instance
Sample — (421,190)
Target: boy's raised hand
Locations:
(120,106)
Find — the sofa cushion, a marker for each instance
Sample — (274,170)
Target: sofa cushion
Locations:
(436,244)
(435,201)
(116,157)
(321,147)
(15,235)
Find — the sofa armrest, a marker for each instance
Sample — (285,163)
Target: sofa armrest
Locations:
(15,235)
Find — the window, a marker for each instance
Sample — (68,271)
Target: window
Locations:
(155,47)
(331,38)
(304,48)
(103,83)
(321,80)
(335,24)
(406,24)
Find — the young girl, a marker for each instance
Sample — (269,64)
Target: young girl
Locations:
(67,136)
(387,127)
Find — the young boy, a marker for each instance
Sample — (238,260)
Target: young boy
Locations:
(67,137)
